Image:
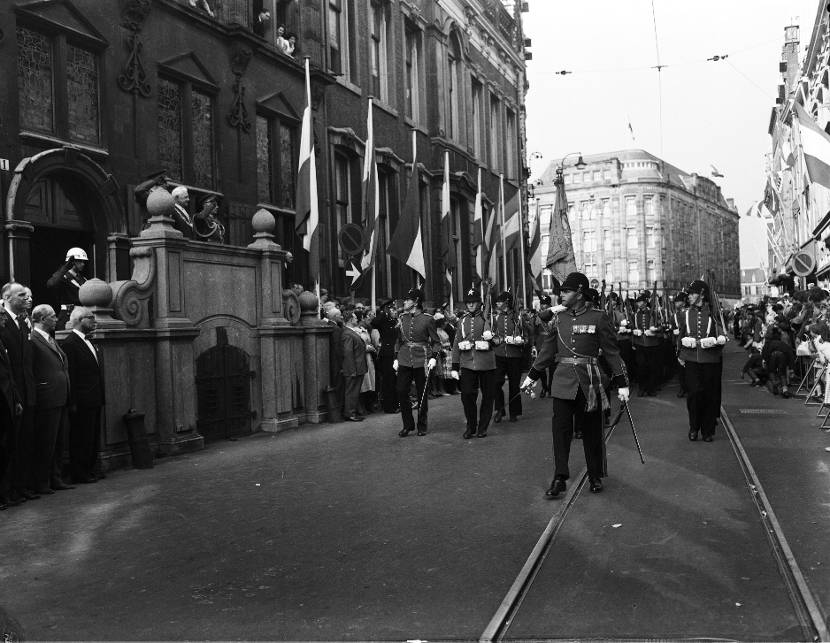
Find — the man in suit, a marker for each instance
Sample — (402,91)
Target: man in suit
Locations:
(354,366)
(51,371)
(86,396)
(15,461)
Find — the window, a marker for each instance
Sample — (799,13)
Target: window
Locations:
(607,240)
(511,171)
(590,270)
(412,60)
(609,273)
(58,84)
(651,273)
(606,174)
(477,116)
(455,89)
(346,206)
(649,203)
(186,137)
(606,208)
(387,189)
(379,47)
(494,134)
(650,239)
(578,177)
(342,49)
(633,274)
(589,241)
(597,176)
(631,238)
(586,210)
(630,206)
(276,144)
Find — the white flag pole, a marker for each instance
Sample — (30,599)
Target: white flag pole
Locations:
(503,248)
(522,270)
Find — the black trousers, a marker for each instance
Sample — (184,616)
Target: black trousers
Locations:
(84,441)
(703,383)
(648,368)
(387,381)
(50,442)
(470,382)
(511,367)
(567,416)
(405,376)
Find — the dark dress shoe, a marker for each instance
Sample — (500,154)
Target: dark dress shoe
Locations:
(692,436)
(354,418)
(422,431)
(481,434)
(497,416)
(45,491)
(595,485)
(556,487)
(59,485)
(468,433)
(404,432)
(29,494)
(708,438)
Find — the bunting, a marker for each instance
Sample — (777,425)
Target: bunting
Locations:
(371,195)
(447,246)
(406,244)
(307,213)
(478,232)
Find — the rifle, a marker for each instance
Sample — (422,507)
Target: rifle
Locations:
(716,302)
(602,295)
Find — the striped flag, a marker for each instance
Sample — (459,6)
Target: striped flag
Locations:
(371,195)
(815,144)
(307,213)
(406,244)
(512,225)
(478,231)
(447,246)
(536,248)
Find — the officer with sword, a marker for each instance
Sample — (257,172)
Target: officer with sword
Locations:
(580,333)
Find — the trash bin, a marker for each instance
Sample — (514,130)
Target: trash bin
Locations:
(140,451)
(335,414)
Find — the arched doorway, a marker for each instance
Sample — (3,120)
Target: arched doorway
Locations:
(59,199)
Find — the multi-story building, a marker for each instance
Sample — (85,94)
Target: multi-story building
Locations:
(636,220)
(754,285)
(99,95)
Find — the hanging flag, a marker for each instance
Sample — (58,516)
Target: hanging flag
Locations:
(371,195)
(490,251)
(447,246)
(406,244)
(478,232)
(771,197)
(535,254)
(815,143)
(307,213)
(560,260)
(512,225)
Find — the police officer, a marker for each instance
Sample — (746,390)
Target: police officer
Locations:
(647,334)
(474,365)
(578,394)
(511,336)
(67,280)
(417,347)
(700,340)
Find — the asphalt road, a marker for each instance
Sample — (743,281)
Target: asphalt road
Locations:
(348,532)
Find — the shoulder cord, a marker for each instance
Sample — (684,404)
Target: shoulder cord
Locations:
(708,323)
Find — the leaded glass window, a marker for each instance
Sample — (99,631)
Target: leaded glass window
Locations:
(287,161)
(34,81)
(202,120)
(264,160)
(170,128)
(82,94)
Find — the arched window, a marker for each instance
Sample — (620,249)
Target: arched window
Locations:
(455,89)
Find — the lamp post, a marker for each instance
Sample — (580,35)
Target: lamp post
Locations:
(579,165)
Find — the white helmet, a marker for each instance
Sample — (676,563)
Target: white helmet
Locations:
(76,253)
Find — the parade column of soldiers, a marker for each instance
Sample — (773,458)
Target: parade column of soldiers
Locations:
(510,340)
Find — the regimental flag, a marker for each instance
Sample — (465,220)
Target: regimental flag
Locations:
(535,253)
(406,244)
(478,232)
(512,225)
(447,246)
(307,217)
(560,260)
(772,199)
(815,143)
(490,251)
(371,195)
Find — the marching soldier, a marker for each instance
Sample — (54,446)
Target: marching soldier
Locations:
(681,301)
(474,365)
(417,347)
(647,339)
(510,339)
(579,398)
(700,341)
(541,329)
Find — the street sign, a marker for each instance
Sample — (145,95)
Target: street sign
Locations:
(803,263)
(354,273)
(351,239)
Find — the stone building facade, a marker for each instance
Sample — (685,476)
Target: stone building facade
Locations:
(636,219)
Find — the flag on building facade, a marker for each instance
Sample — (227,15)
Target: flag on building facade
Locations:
(815,144)
(447,245)
(478,232)
(371,195)
(406,244)
(512,225)
(490,251)
(307,213)
(535,249)
(560,260)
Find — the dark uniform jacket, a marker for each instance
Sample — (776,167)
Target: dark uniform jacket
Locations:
(698,323)
(387,329)
(19,350)
(418,340)
(85,375)
(506,325)
(354,353)
(575,347)
(470,329)
(643,321)
(51,371)
(67,283)
(623,330)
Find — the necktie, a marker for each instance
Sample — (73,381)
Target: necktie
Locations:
(22,326)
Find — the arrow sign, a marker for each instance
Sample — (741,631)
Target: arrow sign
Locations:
(354,273)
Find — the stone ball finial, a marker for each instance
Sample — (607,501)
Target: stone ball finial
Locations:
(263,221)
(95,293)
(159,202)
(308,302)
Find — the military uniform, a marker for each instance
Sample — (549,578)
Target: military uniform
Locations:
(700,342)
(648,336)
(417,343)
(475,361)
(511,336)
(577,385)
(681,302)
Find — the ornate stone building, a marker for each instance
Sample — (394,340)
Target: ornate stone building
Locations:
(636,219)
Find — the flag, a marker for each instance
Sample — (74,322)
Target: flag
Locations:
(447,246)
(560,258)
(489,253)
(815,143)
(371,195)
(478,232)
(406,244)
(512,231)
(772,199)
(307,213)
(535,253)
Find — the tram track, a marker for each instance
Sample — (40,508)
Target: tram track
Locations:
(808,612)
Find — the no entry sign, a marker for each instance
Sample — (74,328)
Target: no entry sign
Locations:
(351,239)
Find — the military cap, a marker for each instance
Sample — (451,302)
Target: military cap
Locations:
(414,294)
(544,300)
(576,281)
(681,295)
(644,296)
(592,295)
(698,287)
(472,295)
(506,296)
(613,295)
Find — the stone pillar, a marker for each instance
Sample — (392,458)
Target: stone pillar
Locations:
(316,364)
(19,234)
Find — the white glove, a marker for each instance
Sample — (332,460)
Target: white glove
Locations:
(518,340)
(454,375)
(533,352)
(688,342)
(637,332)
(558,308)
(623,393)
(431,363)
(676,331)
(649,333)
(528,383)
(682,362)
(508,339)
(708,342)
(395,366)
(721,340)
(624,322)
(653,329)
(488,335)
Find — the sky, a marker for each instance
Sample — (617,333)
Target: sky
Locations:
(713,112)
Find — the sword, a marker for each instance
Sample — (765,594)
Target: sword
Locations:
(424,393)
(529,390)
(634,431)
